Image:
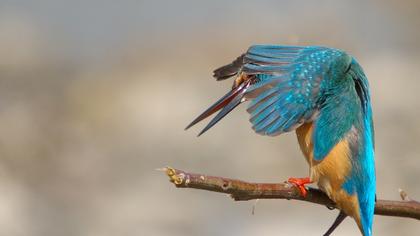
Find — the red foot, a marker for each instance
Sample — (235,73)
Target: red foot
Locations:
(300,183)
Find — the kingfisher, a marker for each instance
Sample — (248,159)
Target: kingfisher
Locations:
(323,95)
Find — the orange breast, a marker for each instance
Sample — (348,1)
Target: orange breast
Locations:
(304,135)
(331,172)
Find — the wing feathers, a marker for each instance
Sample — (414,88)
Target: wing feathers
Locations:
(264,60)
(262,115)
(266,122)
(266,69)
(283,83)
(267,102)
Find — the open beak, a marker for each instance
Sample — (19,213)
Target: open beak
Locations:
(228,102)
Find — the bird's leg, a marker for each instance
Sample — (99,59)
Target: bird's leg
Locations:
(300,183)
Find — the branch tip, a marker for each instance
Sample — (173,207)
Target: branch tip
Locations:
(174,176)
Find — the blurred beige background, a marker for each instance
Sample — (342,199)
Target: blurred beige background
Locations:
(94,96)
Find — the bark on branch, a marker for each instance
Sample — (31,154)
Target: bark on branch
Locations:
(243,191)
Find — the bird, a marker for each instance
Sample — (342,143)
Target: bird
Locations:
(323,95)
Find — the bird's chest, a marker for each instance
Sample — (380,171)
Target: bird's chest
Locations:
(331,172)
(335,165)
(304,136)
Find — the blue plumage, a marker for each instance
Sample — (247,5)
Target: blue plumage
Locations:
(323,94)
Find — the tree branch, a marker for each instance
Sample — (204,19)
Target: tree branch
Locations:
(243,191)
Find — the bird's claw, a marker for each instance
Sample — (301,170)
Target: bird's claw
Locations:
(300,183)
